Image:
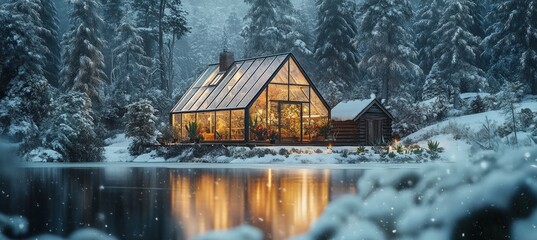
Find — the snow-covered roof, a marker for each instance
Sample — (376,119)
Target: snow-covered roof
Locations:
(348,110)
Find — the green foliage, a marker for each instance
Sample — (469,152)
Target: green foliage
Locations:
(141,126)
(361,150)
(434,146)
(324,129)
(193,131)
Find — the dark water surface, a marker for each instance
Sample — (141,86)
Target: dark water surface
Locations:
(163,203)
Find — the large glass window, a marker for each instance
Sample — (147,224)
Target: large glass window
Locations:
(206,126)
(195,87)
(296,76)
(187,119)
(258,118)
(274,116)
(299,93)
(176,124)
(223,127)
(308,130)
(278,92)
(237,124)
(221,85)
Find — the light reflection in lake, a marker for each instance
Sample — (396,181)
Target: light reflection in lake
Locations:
(158,203)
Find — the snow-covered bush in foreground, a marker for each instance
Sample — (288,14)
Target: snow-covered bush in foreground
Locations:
(244,232)
(490,197)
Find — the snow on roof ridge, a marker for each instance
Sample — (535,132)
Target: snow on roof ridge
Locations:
(349,109)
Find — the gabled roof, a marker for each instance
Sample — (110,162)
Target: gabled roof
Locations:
(354,109)
(234,88)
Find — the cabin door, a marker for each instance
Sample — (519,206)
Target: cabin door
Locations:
(374,132)
(290,121)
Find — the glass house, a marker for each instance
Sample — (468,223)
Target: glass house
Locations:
(251,100)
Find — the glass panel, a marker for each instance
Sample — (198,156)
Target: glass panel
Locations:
(223,125)
(282,76)
(202,98)
(308,130)
(274,117)
(212,96)
(259,84)
(176,126)
(217,79)
(290,121)
(211,77)
(250,83)
(299,93)
(317,107)
(187,119)
(319,114)
(227,88)
(206,126)
(296,76)
(278,92)
(237,125)
(193,90)
(235,89)
(258,118)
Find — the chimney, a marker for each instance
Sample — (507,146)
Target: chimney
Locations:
(226,59)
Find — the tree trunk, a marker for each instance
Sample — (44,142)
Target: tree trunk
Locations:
(514,123)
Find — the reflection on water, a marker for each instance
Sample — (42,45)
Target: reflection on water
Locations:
(150,203)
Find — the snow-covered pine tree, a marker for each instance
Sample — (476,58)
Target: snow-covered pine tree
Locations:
(24,90)
(455,56)
(271,28)
(389,54)
(112,15)
(83,68)
(512,42)
(427,18)
(141,126)
(232,30)
(335,47)
(49,19)
(71,129)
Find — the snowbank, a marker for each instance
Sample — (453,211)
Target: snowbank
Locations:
(242,232)
(489,196)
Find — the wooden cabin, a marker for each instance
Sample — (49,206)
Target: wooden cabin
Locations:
(257,99)
(361,122)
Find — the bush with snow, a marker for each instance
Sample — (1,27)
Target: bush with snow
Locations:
(489,197)
(141,126)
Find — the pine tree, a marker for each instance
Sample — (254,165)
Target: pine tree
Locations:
(141,126)
(512,42)
(455,69)
(24,90)
(271,28)
(71,129)
(427,19)
(389,54)
(335,47)
(232,30)
(112,15)
(49,19)
(83,68)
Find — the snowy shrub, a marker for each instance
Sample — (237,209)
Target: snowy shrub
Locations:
(141,127)
(477,105)
(284,152)
(487,136)
(71,129)
(526,118)
(439,201)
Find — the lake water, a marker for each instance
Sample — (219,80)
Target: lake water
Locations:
(172,203)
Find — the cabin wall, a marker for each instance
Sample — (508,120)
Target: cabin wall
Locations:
(356,131)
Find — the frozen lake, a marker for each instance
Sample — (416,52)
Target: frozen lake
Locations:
(171,201)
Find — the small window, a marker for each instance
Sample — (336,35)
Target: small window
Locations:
(217,79)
